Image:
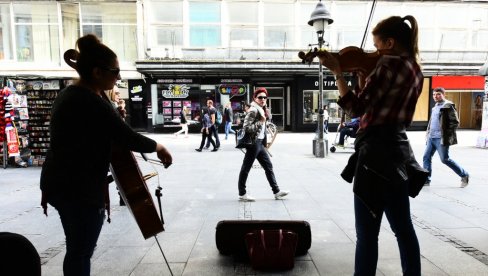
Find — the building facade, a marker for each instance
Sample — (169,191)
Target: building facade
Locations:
(181,52)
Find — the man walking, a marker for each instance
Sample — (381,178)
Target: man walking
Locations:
(441,133)
(212,111)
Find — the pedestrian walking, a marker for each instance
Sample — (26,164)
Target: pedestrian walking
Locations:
(255,126)
(183,122)
(206,133)
(212,112)
(441,134)
(228,117)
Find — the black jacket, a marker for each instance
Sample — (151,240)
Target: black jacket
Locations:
(383,160)
(83,127)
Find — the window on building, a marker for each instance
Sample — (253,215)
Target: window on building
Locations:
(243,24)
(279,25)
(205,24)
(166,27)
(115,24)
(36,32)
(71,24)
(5,32)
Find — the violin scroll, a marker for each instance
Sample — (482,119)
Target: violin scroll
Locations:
(351,59)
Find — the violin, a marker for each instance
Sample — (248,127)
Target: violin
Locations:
(351,59)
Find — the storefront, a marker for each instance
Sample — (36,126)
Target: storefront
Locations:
(156,105)
(307,102)
(467,93)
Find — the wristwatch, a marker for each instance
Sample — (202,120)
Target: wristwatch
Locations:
(339,76)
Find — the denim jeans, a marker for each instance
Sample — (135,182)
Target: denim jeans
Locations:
(82,225)
(228,128)
(214,131)
(433,145)
(396,206)
(258,152)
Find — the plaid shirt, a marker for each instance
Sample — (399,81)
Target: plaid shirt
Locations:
(390,93)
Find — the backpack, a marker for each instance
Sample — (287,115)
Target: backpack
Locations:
(218,117)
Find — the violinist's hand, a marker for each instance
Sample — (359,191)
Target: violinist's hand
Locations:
(361,79)
(164,155)
(331,62)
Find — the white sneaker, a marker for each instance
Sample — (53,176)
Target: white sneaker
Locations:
(281,194)
(245,197)
(464,181)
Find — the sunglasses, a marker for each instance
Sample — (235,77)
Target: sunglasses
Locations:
(262,97)
(114,71)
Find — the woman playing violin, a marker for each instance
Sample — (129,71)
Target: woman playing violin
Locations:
(385,100)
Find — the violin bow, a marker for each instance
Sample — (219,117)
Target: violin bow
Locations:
(368,24)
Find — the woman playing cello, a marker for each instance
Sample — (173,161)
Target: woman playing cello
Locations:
(385,100)
(83,128)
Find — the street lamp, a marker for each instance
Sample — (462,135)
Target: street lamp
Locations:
(320,19)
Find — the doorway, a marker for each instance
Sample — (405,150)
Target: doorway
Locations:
(276,104)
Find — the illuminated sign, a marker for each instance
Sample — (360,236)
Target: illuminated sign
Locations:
(176,91)
(232,89)
(136,89)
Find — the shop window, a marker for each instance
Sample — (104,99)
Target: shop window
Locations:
(311,106)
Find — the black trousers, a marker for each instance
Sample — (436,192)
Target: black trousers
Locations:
(209,139)
(213,131)
(258,152)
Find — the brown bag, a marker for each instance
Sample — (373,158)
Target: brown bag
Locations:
(271,249)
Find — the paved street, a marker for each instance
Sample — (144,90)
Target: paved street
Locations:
(200,189)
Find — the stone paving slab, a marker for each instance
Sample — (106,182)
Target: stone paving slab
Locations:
(200,189)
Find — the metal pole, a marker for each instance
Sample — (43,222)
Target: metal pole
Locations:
(319,143)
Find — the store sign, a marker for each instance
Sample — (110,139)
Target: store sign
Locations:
(174,81)
(331,83)
(136,89)
(232,89)
(176,91)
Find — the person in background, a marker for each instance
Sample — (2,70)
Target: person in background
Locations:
(212,112)
(118,103)
(206,133)
(114,97)
(183,122)
(326,119)
(349,129)
(441,134)
(385,99)
(255,125)
(74,176)
(228,117)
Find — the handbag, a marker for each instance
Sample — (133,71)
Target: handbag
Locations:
(271,249)
(244,139)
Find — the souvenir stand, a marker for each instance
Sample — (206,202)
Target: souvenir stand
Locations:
(27,136)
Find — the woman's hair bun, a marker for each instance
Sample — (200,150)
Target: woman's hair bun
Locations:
(88,43)
(71,58)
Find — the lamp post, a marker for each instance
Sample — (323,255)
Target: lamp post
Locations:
(320,19)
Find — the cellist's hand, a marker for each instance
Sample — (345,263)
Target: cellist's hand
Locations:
(164,155)
(331,62)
